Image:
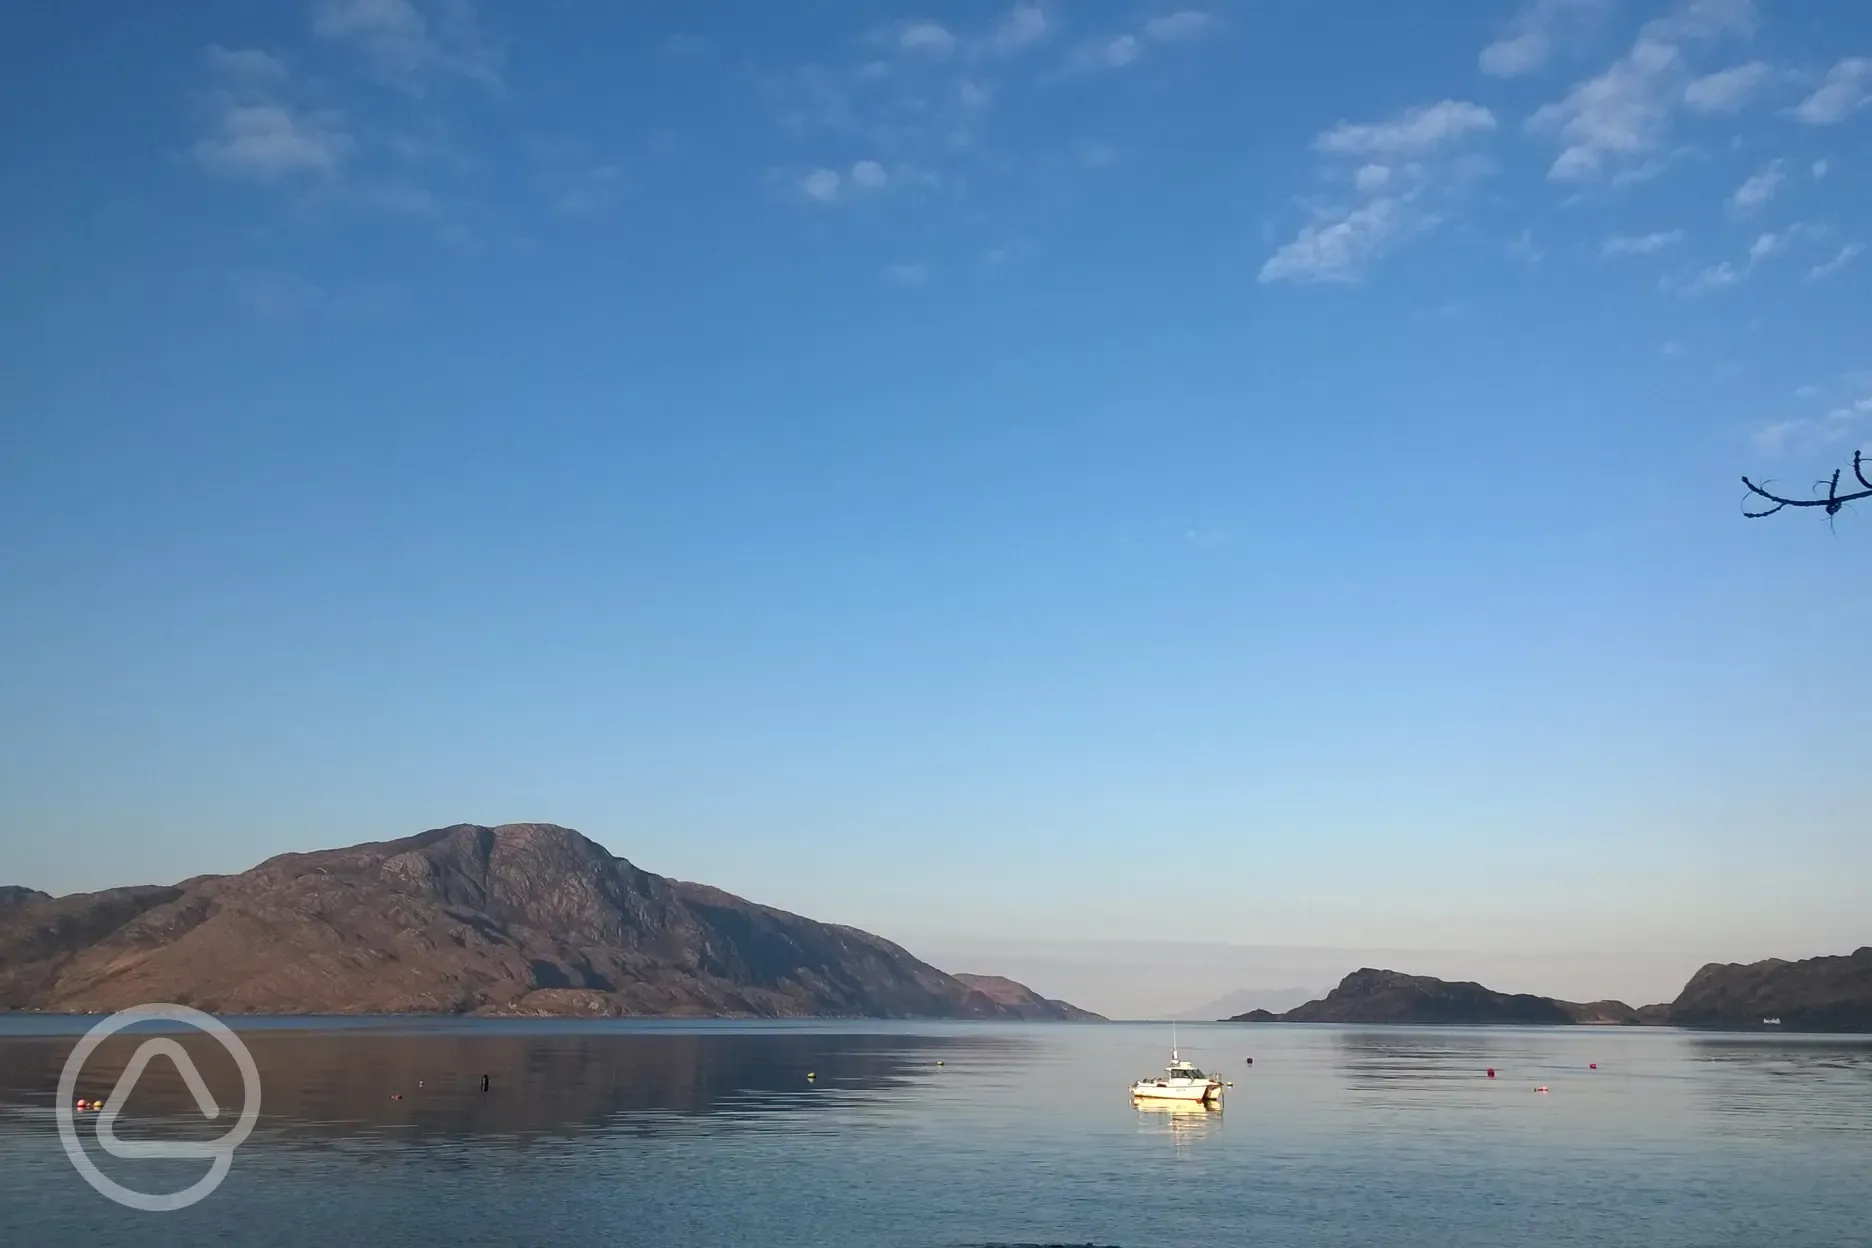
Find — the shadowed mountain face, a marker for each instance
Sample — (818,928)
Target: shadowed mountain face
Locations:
(13,895)
(519,919)
(1024,1001)
(1374,996)
(1816,994)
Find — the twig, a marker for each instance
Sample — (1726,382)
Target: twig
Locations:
(1833,501)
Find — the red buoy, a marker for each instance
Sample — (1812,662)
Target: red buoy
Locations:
(1592,1065)
(1491,1072)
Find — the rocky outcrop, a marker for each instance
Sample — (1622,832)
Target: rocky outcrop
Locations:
(517,919)
(1374,996)
(1815,994)
(13,895)
(1024,1002)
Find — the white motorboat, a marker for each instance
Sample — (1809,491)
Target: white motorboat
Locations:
(1181,1081)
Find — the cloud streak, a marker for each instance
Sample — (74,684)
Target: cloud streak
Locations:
(1530,40)
(1641,244)
(1402,165)
(1755,194)
(1624,114)
(1846,89)
(1845,256)
(1415,132)
(1119,51)
(1727,91)
(411,46)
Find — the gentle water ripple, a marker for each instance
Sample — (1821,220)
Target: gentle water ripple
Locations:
(966,1136)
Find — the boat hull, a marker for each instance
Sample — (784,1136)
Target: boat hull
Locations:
(1172,1092)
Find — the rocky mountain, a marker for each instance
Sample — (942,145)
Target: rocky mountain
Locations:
(518,919)
(1375,996)
(1024,1001)
(13,895)
(1246,1000)
(1816,994)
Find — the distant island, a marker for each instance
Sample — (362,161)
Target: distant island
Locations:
(521,919)
(1816,994)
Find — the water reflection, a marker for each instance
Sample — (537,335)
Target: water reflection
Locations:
(1389,1061)
(420,1087)
(1185,1123)
(1781,1086)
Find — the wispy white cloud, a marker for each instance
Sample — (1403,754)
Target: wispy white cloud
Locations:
(1124,48)
(411,45)
(1399,170)
(821,185)
(1415,132)
(929,38)
(1847,417)
(1762,187)
(1819,169)
(1727,91)
(1524,249)
(915,93)
(1022,28)
(1846,89)
(586,190)
(1641,244)
(1766,245)
(255,132)
(907,274)
(1845,256)
(825,186)
(251,67)
(1530,40)
(1715,277)
(271,141)
(1338,247)
(1183,24)
(1624,114)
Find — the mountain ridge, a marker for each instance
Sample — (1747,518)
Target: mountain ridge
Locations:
(521,919)
(1829,993)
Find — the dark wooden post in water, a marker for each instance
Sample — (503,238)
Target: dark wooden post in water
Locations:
(484,1083)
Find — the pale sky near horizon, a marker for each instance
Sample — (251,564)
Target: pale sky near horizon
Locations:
(1255,473)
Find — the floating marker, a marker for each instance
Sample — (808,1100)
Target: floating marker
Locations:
(1592,1065)
(1542,1088)
(1491,1072)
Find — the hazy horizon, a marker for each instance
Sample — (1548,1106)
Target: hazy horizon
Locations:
(1249,474)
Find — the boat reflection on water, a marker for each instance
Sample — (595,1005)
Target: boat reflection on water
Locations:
(1185,1122)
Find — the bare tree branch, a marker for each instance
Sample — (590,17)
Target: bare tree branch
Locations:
(1833,501)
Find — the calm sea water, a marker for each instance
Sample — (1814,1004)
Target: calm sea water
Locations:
(964,1134)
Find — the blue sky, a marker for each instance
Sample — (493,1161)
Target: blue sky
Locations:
(1262,472)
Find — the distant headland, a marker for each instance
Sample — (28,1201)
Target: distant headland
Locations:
(1831,994)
